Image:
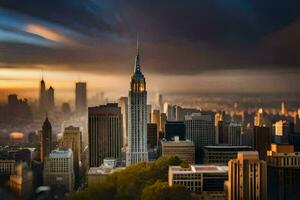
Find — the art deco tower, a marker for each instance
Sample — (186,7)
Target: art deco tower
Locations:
(46,139)
(137,116)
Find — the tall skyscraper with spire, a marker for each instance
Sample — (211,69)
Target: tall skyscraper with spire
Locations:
(137,116)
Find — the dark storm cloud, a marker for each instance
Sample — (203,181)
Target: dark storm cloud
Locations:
(177,36)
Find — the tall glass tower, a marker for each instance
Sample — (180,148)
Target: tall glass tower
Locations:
(137,116)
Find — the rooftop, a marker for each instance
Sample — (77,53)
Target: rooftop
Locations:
(199,169)
(61,153)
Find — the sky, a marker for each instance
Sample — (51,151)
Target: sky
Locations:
(190,46)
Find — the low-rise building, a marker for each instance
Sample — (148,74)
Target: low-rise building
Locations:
(184,149)
(199,178)
(221,154)
(59,170)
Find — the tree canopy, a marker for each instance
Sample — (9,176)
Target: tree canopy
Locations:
(145,181)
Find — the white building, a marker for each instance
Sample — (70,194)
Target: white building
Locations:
(59,170)
(137,117)
(199,178)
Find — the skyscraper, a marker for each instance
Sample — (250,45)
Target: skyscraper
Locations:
(72,139)
(50,98)
(137,116)
(81,97)
(105,133)
(42,96)
(247,177)
(123,104)
(200,130)
(46,139)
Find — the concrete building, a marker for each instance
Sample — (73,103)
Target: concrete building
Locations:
(105,133)
(72,139)
(59,169)
(185,150)
(123,104)
(247,177)
(283,172)
(137,117)
(200,130)
(152,135)
(281,132)
(222,154)
(199,178)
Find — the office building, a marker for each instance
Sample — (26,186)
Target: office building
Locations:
(222,154)
(149,113)
(283,172)
(123,104)
(261,140)
(59,170)
(199,178)
(80,97)
(175,128)
(163,121)
(185,149)
(42,96)
(105,133)
(156,118)
(50,99)
(200,130)
(72,139)
(152,135)
(229,133)
(247,177)
(137,117)
(46,139)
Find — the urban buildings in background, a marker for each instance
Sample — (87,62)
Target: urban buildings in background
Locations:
(253,152)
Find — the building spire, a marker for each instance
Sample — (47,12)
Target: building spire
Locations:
(137,66)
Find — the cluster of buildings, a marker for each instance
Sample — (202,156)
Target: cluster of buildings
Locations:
(252,157)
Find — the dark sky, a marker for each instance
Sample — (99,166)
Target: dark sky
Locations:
(177,37)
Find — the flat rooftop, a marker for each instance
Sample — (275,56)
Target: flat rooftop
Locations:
(199,169)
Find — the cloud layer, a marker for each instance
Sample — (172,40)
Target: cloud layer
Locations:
(178,37)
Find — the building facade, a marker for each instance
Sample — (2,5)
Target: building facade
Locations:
(185,149)
(222,154)
(199,178)
(283,172)
(247,177)
(105,133)
(59,170)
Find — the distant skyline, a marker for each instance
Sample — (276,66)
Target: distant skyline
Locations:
(192,47)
